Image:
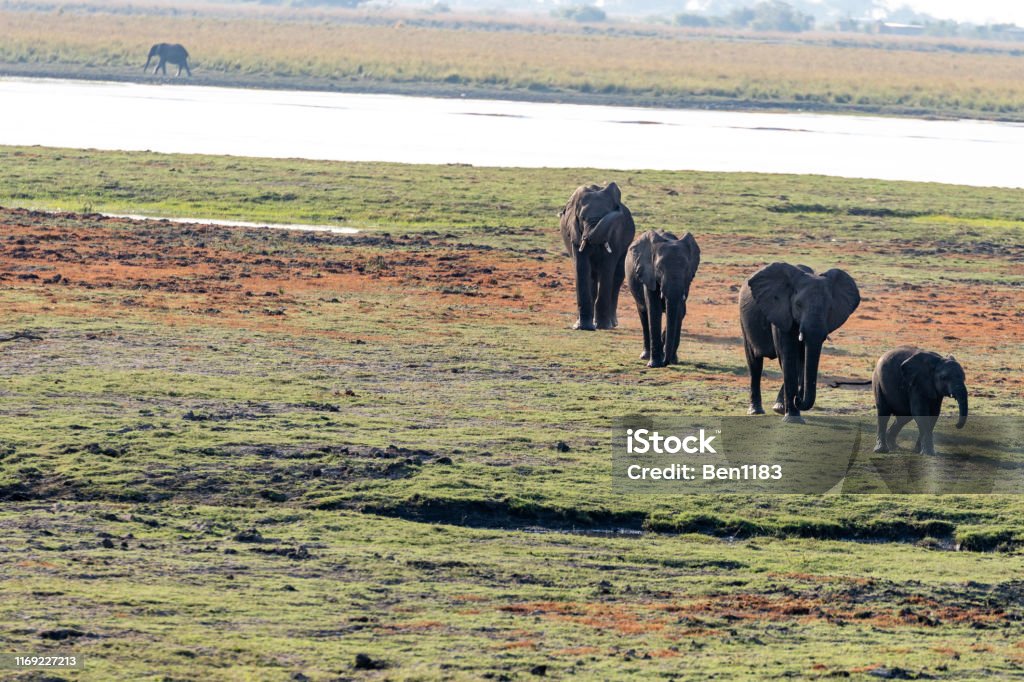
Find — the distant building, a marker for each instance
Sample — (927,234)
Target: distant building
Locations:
(894,29)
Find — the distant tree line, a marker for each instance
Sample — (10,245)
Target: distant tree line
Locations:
(773,15)
(582,13)
(777,15)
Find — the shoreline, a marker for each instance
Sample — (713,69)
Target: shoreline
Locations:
(541,94)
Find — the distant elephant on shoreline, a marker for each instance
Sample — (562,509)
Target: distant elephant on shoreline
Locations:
(659,269)
(787,312)
(597,229)
(909,384)
(165,52)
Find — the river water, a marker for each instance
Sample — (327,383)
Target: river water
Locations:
(356,127)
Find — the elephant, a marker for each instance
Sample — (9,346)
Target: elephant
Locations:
(910,383)
(175,54)
(597,228)
(659,269)
(787,312)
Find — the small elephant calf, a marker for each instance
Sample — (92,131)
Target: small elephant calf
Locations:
(659,269)
(910,383)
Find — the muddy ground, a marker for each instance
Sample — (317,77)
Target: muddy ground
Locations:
(256,454)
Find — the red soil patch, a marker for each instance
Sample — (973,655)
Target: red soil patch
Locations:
(690,618)
(907,611)
(415,626)
(577,651)
(253,279)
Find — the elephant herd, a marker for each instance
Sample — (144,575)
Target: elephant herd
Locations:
(786,312)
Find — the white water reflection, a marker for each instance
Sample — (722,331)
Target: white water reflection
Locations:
(352,127)
(238,223)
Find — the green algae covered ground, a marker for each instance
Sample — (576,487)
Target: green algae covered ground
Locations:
(237,454)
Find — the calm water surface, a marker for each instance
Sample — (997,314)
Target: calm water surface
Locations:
(353,127)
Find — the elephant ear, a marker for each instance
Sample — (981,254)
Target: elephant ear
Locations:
(918,369)
(571,225)
(693,254)
(772,289)
(616,194)
(641,253)
(845,297)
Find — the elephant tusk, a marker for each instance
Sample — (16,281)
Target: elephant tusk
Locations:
(800,338)
(583,245)
(607,247)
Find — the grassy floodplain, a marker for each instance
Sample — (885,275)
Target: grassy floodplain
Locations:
(247,454)
(619,63)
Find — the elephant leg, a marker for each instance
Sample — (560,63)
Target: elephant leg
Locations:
(617,280)
(672,349)
(926,431)
(584,295)
(605,313)
(881,445)
(755,363)
(654,322)
(178,75)
(894,430)
(790,357)
(645,325)
(921,411)
(780,401)
(188,70)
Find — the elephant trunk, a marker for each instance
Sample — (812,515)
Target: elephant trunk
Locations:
(674,323)
(812,354)
(960,395)
(601,233)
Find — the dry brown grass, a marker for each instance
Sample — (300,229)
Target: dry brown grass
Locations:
(344,50)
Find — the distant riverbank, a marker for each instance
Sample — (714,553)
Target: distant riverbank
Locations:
(617,64)
(547,95)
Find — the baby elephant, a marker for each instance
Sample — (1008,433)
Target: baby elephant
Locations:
(659,269)
(910,383)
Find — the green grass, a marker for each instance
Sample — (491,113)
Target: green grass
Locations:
(495,205)
(195,382)
(183,598)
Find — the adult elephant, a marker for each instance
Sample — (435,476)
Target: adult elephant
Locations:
(910,383)
(786,312)
(167,53)
(597,229)
(659,269)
